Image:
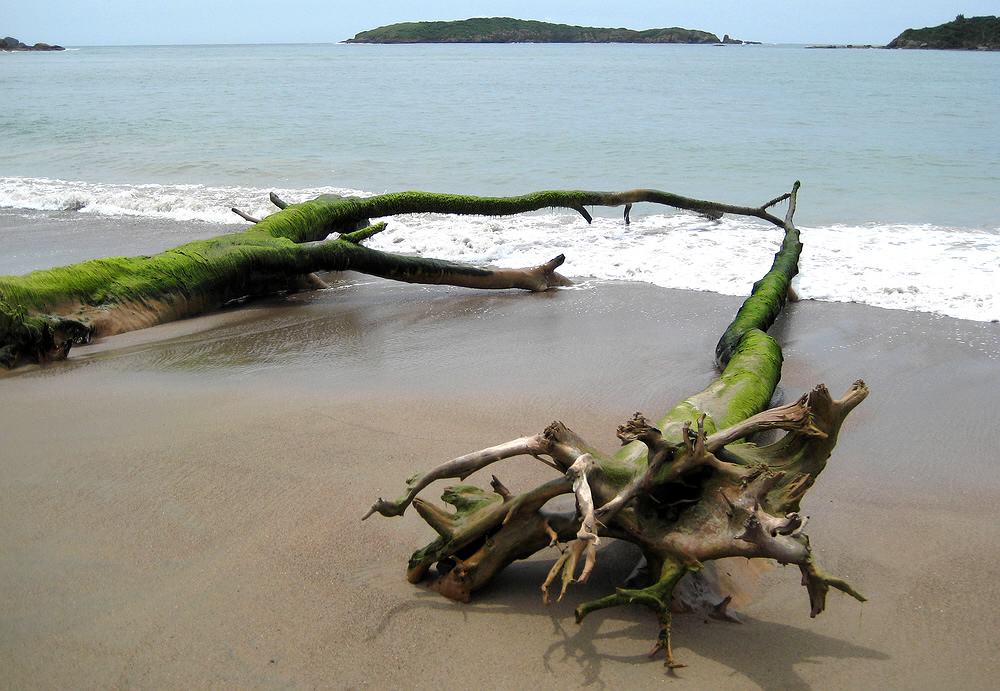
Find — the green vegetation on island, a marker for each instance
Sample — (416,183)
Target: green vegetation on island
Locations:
(972,33)
(508,30)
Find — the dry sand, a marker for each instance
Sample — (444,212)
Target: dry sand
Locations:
(179,507)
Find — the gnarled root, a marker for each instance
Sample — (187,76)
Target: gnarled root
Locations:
(818,583)
(566,565)
(489,530)
(586,541)
(701,497)
(656,598)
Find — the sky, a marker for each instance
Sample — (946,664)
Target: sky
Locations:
(162,22)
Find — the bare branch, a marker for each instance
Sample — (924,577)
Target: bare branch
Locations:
(791,204)
(245,216)
(461,468)
(776,200)
(359,236)
(794,416)
(583,212)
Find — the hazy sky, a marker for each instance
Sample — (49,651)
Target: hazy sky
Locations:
(128,22)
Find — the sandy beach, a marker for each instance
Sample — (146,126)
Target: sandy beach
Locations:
(180,507)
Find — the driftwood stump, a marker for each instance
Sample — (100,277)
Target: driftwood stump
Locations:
(687,491)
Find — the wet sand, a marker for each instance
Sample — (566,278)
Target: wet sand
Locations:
(179,507)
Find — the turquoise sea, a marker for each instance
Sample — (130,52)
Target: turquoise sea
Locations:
(126,150)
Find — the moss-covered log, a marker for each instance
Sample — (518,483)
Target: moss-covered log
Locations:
(688,491)
(42,314)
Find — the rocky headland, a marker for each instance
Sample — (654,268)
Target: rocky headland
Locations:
(10,44)
(964,33)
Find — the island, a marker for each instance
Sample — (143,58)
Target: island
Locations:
(508,30)
(964,33)
(10,44)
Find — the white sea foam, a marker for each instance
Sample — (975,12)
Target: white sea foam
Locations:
(181,202)
(949,271)
(943,270)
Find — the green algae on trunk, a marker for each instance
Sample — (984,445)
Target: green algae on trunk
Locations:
(46,312)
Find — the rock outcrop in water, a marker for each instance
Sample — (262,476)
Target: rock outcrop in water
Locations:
(973,33)
(12,44)
(508,30)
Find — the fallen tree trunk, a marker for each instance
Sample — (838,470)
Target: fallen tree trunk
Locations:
(44,313)
(690,490)
(687,491)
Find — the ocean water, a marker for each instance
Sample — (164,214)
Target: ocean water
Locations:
(128,150)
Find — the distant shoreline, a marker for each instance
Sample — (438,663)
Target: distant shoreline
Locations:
(510,30)
(975,33)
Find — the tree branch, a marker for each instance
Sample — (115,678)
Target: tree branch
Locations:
(461,468)
(245,216)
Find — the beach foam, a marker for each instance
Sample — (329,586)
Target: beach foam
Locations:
(179,202)
(948,271)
